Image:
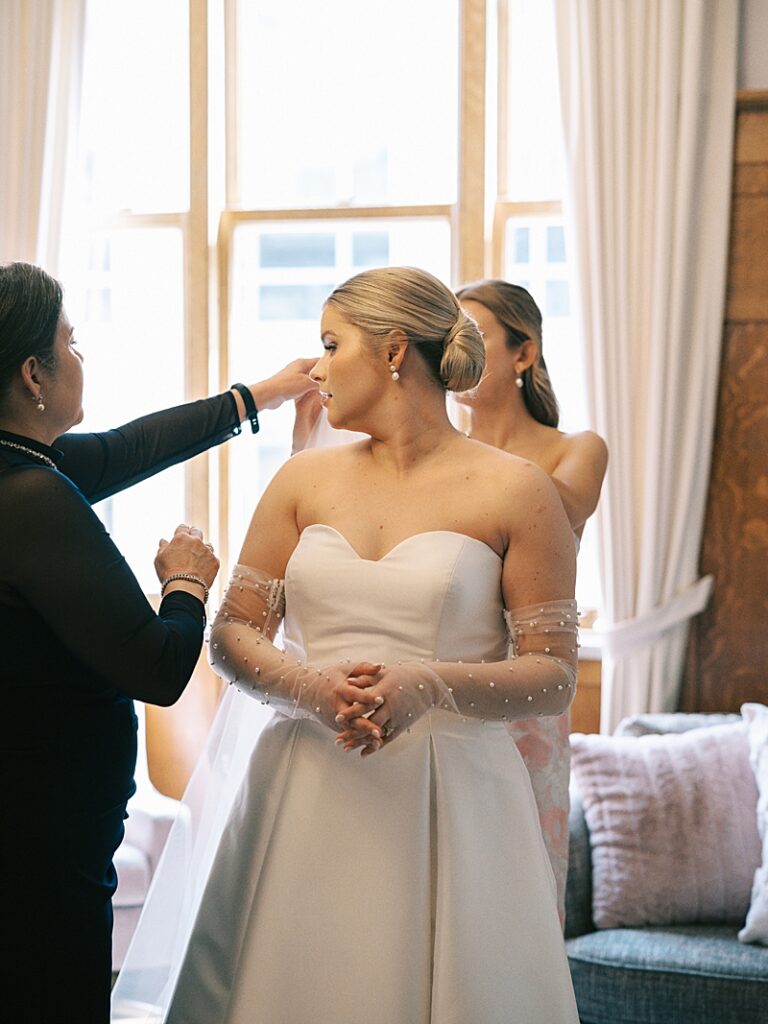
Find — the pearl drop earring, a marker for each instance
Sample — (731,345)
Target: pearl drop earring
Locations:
(519,382)
(393,371)
(40,403)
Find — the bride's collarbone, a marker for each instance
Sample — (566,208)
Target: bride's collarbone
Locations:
(375,514)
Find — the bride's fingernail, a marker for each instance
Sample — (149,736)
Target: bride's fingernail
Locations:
(339,717)
(376,733)
(378,700)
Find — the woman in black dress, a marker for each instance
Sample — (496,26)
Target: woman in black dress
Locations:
(79,641)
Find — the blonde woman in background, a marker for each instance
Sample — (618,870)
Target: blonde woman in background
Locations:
(515,409)
(402,564)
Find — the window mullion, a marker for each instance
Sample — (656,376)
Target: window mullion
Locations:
(196,252)
(468,257)
(231,106)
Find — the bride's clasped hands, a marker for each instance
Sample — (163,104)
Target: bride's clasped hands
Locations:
(401,693)
(331,693)
(537,678)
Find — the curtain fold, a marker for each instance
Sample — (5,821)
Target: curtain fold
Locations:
(41,46)
(648,92)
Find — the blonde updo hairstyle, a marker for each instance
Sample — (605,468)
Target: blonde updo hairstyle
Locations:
(428,313)
(515,309)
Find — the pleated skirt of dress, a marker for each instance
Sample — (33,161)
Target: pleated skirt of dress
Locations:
(410,887)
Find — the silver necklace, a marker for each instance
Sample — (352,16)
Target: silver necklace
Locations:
(29,451)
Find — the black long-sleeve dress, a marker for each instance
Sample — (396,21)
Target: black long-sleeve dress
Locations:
(78,641)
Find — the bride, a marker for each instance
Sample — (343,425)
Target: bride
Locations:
(426,585)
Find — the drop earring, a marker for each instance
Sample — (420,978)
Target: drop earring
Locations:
(519,382)
(393,371)
(40,403)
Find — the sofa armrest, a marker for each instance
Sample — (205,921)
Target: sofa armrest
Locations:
(661,722)
(150,817)
(578,890)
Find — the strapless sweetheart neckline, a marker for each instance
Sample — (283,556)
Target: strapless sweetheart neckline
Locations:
(403,542)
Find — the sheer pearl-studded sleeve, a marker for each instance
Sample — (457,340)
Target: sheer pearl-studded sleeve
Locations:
(539,678)
(242,651)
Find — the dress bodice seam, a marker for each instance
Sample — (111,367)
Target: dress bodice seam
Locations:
(444,602)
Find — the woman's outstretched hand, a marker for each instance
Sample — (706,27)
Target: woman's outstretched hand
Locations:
(287,384)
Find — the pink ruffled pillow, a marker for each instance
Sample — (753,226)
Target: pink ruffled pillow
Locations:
(672,825)
(756,926)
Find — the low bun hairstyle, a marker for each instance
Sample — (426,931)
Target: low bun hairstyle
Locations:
(30,306)
(428,313)
(462,365)
(514,308)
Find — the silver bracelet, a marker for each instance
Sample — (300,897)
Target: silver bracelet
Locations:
(188,577)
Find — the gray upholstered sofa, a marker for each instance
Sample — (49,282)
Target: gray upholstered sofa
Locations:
(695,974)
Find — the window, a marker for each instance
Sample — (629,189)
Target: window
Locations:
(126,252)
(343,103)
(242,157)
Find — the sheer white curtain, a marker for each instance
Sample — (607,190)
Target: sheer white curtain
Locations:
(648,94)
(41,43)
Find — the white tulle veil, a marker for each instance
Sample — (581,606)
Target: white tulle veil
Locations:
(147,979)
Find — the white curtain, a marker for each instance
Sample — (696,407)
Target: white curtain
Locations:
(41,46)
(648,93)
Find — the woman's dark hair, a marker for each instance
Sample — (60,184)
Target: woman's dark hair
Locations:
(514,308)
(30,306)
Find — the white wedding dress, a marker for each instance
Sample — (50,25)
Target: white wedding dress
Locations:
(409,887)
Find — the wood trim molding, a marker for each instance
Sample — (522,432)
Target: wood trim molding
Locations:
(502,96)
(468,235)
(231,105)
(196,312)
(752,99)
(234,217)
(223,259)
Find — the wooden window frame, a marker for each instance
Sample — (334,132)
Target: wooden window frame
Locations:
(477,218)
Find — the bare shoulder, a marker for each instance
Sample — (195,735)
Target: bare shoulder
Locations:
(516,467)
(528,482)
(587,446)
(533,530)
(516,483)
(315,462)
(582,460)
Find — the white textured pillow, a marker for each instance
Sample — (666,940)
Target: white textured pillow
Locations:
(672,825)
(756,926)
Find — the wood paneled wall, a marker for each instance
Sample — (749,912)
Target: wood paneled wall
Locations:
(585,710)
(727,660)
